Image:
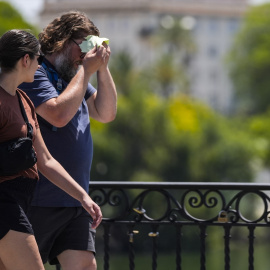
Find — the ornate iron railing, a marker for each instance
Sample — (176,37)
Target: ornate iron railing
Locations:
(178,205)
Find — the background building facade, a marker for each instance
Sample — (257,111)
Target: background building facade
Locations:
(129,23)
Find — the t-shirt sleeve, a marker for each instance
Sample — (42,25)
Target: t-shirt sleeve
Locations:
(41,89)
(89,91)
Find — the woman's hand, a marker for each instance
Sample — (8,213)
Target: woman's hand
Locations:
(93,209)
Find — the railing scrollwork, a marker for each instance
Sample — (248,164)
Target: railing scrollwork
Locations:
(201,203)
(148,208)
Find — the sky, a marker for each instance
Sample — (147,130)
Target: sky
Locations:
(30,8)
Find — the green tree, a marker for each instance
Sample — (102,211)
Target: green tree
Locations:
(172,139)
(259,128)
(249,61)
(173,36)
(10,18)
(173,45)
(123,71)
(167,77)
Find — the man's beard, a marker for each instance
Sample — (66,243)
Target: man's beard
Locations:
(65,66)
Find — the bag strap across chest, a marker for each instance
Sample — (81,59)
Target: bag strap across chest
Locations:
(29,126)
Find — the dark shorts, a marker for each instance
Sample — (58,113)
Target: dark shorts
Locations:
(61,228)
(15,197)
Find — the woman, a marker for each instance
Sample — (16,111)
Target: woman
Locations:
(19,55)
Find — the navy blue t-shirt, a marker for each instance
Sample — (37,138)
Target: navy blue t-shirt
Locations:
(71,145)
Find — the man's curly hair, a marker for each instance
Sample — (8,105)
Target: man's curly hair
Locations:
(70,25)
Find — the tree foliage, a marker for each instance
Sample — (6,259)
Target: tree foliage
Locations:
(10,18)
(166,139)
(249,61)
(259,128)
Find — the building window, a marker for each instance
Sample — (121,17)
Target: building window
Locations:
(213,76)
(213,25)
(212,51)
(233,25)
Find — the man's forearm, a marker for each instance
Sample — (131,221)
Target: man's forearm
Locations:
(106,99)
(59,111)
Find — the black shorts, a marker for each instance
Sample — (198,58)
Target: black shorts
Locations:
(15,197)
(61,228)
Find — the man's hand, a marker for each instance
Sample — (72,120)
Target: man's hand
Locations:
(95,59)
(106,57)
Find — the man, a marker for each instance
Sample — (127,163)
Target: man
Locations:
(64,99)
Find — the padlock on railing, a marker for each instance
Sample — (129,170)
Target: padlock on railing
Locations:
(222,216)
(140,211)
(131,234)
(153,234)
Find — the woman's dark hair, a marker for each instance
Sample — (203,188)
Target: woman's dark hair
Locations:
(15,44)
(71,25)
